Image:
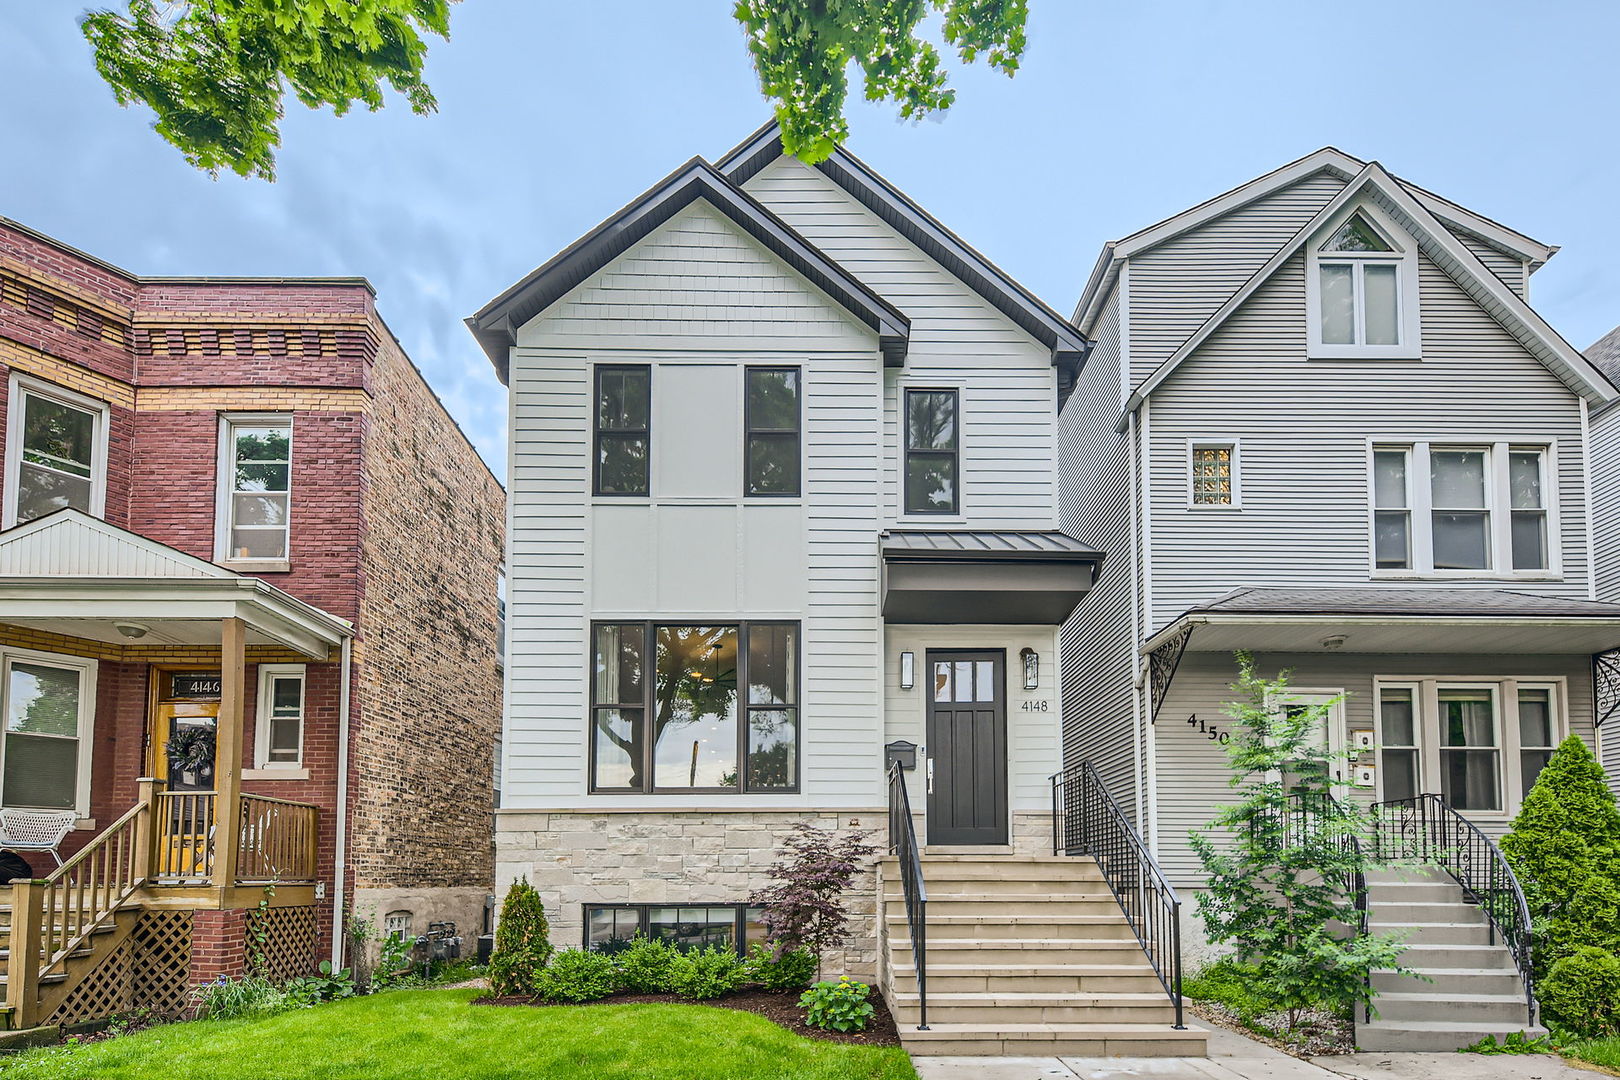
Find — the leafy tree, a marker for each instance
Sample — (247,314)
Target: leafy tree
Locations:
(804,907)
(522,942)
(802,50)
(1565,849)
(1278,892)
(216,72)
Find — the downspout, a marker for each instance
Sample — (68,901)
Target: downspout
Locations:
(342,804)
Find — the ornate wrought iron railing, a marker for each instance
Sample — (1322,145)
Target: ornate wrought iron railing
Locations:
(1426,828)
(903,845)
(1087,821)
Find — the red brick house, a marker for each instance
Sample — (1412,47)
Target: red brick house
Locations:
(249,628)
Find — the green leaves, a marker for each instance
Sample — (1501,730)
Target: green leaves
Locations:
(215,72)
(802,49)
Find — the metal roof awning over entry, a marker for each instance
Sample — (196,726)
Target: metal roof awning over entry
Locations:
(960,577)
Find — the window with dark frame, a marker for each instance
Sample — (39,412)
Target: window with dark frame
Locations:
(771,426)
(622,429)
(712,697)
(932,452)
(611,927)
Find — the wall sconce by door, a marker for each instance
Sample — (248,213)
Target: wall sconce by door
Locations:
(908,670)
(1032,668)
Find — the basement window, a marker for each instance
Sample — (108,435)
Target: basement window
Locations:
(688,927)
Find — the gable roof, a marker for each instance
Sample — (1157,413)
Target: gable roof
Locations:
(894,208)
(1328,159)
(70,543)
(1604,354)
(496,323)
(1449,253)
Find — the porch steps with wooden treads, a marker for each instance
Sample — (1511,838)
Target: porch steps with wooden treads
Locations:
(1027,956)
(55,986)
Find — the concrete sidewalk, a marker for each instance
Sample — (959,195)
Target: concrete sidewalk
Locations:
(1234,1057)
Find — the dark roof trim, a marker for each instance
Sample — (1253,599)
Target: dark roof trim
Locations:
(1069,346)
(948,546)
(495,325)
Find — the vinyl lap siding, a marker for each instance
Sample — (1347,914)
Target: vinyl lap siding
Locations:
(1605,441)
(1510,268)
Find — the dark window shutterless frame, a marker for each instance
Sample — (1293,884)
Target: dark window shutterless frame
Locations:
(932,434)
(625,699)
(624,921)
(622,427)
(772,450)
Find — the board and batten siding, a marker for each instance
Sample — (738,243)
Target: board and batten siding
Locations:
(1007,384)
(1303,429)
(1194,776)
(697,299)
(1098,640)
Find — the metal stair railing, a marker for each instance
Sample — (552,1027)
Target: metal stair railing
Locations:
(903,845)
(1087,821)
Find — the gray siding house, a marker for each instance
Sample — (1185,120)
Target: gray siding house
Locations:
(1605,442)
(1321,423)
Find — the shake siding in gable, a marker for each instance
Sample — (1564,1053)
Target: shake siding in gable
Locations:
(1007,382)
(696,299)
(1303,427)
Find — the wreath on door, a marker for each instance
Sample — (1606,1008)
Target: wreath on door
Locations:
(190,749)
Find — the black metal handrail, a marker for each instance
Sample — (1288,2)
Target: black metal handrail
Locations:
(1087,821)
(1428,829)
(1313,819)
(903,845)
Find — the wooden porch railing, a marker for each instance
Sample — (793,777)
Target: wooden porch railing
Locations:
(277,840)
(183,836)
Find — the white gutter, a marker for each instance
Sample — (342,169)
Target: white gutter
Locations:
(342,805)
(1331,620)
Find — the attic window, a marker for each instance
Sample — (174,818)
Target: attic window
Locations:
(1362,293)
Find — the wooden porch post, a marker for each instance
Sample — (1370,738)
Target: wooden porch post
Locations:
(27,939)
(228,750)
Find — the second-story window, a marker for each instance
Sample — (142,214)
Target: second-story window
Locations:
(1363,293)
(1460,509)
(1212,474)
(56,458)
(771,422)
(256,488)
(623,427)
(932,445)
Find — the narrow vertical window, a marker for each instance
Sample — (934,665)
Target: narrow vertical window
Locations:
(1461,513)
(932,442)
(1470,744)
(773,713)
(1537,734)
(256,488)
(1392,513)
(618,707)
(56,457)
(1358,286)
(1213,474)
(1528,508)
(695,707)
(1398,746)
(623,423)
(280,727)
(771,424)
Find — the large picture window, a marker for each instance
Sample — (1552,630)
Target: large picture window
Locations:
(771,422)
(48,703)
(255,484)
(56,453)
(688,927)
(933,444)
(716,709)
(623,426)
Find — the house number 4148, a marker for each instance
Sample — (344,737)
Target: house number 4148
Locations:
(1038,705)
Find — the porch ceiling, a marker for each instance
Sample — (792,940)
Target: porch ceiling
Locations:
(961,577)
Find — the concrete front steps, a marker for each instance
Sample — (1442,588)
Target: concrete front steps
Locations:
(1027,956)
(1474,988)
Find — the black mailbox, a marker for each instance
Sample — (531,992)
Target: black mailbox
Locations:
(902,752)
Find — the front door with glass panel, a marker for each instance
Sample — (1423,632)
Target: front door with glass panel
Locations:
(967,748)
(184,728)
(1324,740)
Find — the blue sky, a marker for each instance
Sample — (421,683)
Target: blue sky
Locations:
(553,114)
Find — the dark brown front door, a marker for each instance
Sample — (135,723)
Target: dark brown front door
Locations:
(967,747)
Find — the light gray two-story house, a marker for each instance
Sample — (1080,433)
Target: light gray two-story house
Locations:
(1321,423)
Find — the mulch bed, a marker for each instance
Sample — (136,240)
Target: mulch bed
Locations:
(782,1009)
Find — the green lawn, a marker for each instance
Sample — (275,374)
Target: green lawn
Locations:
(412,1034)
(1603,1052)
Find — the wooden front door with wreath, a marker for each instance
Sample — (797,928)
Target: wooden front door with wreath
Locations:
(185,719)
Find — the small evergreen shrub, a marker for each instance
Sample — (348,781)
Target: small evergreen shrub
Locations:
(644,965)
(793,969)
(705,974)
(1582,993)
(575,975)
(1564,848)
(838,1006)
(522,942)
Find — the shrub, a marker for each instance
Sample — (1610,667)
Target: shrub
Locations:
(1564,848)
(792,969)
(644,965)
(705,974)
(804,906)
(226,999)
(838,1006)
(1582,993)
(576,975)
(522,942)
(1234,985)
(324,985)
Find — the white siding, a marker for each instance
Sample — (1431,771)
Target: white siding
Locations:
(1510,268)
(1007,382)
(1605,472)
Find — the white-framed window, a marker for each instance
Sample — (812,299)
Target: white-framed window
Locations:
(56,452)
(279,728)
(255,489)
(1327,736)
(1361,289)
(1212,474)
(397,924)
(49,706)
(1485,509)
(1479,742)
